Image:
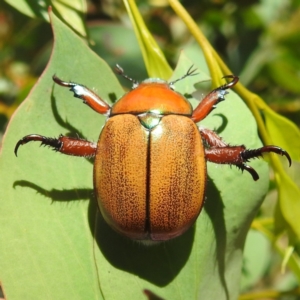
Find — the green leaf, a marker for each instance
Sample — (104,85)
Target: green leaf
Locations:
(284,71)
(256,259)
(155,61)
(70,11)
(55,245)
(289,204)
(33,9)
(283,133)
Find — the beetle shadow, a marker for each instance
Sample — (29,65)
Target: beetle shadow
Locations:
(54,194)
(223,125)
(65,124)
(159,263)
(214,208)
(71,130)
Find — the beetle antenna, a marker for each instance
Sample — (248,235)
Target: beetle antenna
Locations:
(190,72)
(119,70)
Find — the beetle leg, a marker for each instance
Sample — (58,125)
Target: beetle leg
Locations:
(63,144)
(87,95)
(212,99)
(221,153)
(253,153)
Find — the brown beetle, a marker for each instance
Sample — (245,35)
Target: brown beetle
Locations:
(150,160)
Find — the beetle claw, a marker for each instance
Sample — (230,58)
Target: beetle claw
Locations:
(249,169)
(29,138)
(230,84)
(61,82)
(253,153)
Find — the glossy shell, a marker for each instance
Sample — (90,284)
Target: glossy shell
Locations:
(150,180)
(156,97)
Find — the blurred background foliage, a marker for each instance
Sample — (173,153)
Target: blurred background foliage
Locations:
(258,40)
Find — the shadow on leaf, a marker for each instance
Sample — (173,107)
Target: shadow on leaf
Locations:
(159,263)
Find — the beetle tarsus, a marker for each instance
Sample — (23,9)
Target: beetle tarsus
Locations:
(230,84)
(221,91)
(254,153)
(61,82)
(52,142)
(220,152)
(212,99)
(63,144)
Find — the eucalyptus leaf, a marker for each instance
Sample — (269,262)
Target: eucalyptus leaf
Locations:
(289,203)
(33,9)
(283,133)
(54,244)
(257,259)
(70,11)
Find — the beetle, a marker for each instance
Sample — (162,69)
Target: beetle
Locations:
(150,160)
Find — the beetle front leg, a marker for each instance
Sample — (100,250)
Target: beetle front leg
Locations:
(221,153)
(213,98)
(87,95)
(63,144)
